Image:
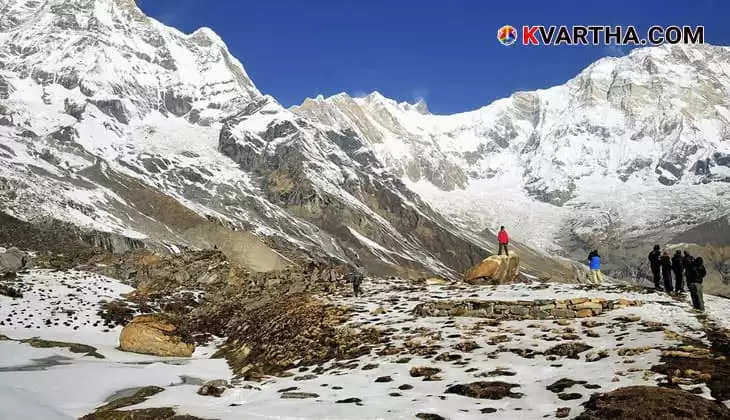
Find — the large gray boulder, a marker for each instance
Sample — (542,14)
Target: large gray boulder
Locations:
(12,260)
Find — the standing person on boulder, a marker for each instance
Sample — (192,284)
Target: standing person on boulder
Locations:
(695,275)
(595,265)
(654,257)
(666,264)
(678,268)
(503,240)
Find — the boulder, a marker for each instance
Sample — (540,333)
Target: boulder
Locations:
(12,260)
(154,334)
(497,269)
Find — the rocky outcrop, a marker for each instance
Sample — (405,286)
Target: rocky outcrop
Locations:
(637,402)
(154,334)
(278,333)
(538,309)
(497,269)
(12,260)
(114,108)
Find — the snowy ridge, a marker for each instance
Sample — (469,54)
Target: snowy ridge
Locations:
(118,123)
(568,159)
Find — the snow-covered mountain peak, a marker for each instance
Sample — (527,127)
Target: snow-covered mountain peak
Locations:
(112,52)
(656,120)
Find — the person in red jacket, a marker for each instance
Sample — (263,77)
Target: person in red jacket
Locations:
(503,239)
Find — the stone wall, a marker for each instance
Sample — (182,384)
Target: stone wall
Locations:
(536,309)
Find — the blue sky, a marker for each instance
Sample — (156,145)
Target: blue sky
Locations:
(443,51)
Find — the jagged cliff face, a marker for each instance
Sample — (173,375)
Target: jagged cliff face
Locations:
(632,149)
(130,65)
(112,121)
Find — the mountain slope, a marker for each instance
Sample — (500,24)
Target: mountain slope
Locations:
(631,151)
(115,122)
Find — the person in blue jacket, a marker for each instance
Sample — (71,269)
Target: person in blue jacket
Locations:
(594,262)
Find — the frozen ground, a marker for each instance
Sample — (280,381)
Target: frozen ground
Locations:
(56,384)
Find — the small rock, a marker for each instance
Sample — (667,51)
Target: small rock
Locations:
(570,396)
(305,377)
(466,346)
(405,387)
(349,401)
(299,395)
(596,355)
(429,416)
(417,372)
(214,388)
(570,350)
(383,379)
(562,412)
(563,384)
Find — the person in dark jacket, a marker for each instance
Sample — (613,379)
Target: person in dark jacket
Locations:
(356,277)
(654,257)
(690,273)
(695,287)
(665,262)
(678,268)
(687,263)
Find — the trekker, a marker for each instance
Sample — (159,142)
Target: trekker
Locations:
(654,257)
(666,264)
(678,268)
(356,278)
(595,265)
(687,262)
(690,272)
(698,273)
(503,239)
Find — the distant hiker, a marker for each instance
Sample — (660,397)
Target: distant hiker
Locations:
(595,265)
(695,275)
(356,278)
(687,263)
(678,268)
(503,239)
(666,264)
(654,257)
